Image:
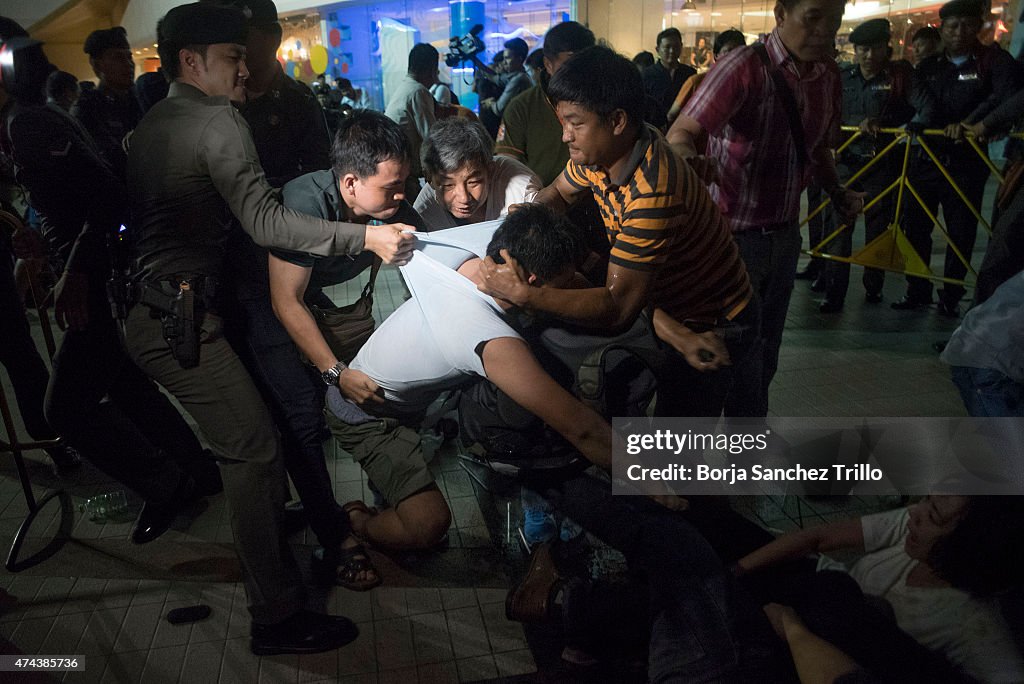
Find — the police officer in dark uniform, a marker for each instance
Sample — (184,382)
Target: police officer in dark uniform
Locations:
(287,122)
(137,436)
(193,178)
(877,93)
(290,133)
(110,111)
(966,81)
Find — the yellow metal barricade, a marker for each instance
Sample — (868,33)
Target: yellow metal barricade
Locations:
(892,251)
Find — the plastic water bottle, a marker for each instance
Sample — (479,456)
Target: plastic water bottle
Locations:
(104,507)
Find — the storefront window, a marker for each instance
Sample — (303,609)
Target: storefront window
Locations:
(631,26)
(368,43)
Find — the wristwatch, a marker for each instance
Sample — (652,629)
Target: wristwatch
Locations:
(331,375)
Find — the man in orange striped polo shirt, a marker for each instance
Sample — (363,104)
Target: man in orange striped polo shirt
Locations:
(671,249)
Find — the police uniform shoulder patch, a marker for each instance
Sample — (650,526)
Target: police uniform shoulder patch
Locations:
(501,132)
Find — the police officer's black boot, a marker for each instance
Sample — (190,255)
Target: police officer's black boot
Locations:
(304,632)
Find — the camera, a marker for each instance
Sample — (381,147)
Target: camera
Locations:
(464,48)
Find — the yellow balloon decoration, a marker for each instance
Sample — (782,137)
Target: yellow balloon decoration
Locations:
(318,59)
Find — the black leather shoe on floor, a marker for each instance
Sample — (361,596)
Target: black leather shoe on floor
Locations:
(156,518)
(908,304)
(304,632)
(828,307)
(807,274)
(873,297)
(819,285)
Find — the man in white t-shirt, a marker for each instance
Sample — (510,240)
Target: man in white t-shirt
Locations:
(466,183)
(936,564)
(448,335)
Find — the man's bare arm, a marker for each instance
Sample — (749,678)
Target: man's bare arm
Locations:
(848,203)
(842,534)
(613,307)
(511,366)
(559,195)
(682,138)
(288,283)
(683,134)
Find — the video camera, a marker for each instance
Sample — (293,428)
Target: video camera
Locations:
(464,48)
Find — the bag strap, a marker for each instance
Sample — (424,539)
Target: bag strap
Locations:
(368,290)
(788,100)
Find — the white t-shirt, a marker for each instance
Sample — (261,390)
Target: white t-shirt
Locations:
(431,342)
(970,633)
(510,182)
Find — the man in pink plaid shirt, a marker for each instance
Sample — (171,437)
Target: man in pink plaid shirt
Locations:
(758,161)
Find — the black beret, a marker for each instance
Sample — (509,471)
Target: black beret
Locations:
(105,39)
(962,8)
(258,12)
(871,32)
(202,23)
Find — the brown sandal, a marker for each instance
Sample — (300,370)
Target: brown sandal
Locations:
(351,562)
(343,568)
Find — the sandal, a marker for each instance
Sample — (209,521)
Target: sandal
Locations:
(342,568)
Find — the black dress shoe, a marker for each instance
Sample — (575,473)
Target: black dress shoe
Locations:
(304,632)
(829,306)
(819,285)
(873,297)
(156,518)
(807,274)
(908,304)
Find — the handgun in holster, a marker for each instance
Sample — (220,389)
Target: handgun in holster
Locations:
(179,318)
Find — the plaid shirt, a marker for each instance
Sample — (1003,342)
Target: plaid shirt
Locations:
(750,136)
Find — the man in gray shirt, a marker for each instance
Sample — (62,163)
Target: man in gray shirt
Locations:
(193,172)
(411,106)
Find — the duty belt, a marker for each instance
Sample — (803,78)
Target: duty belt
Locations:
(160,295)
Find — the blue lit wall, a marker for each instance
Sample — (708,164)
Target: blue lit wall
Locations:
(352,50)
(353,46)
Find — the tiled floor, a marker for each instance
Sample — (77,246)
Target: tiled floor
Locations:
(440,616)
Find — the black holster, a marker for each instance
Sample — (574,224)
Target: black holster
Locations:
(180,313)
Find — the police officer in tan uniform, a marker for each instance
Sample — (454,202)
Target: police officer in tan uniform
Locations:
(193,173)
